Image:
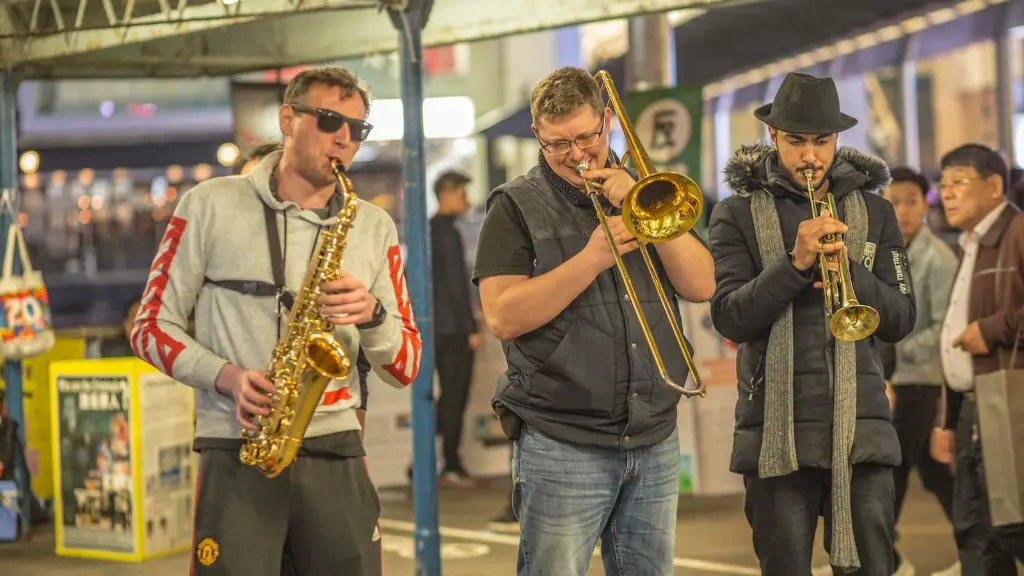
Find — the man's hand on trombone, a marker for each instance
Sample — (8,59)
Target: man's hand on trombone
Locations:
(599,250)
(613,182)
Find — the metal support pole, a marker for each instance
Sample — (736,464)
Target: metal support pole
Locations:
(409,23)
(12,368)
(648,59)
(907,105)
(1005,90)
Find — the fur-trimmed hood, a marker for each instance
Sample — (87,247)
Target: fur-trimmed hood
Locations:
(755,166)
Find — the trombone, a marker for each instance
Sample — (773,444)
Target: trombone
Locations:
(848,319)
(660,207)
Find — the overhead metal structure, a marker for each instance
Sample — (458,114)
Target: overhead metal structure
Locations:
(829,28)
(77,39)
(186,38)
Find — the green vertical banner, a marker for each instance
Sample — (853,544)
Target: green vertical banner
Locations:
(668,123)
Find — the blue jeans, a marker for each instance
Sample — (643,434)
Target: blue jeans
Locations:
(567,496)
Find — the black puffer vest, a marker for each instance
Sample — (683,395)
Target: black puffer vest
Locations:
(588,377)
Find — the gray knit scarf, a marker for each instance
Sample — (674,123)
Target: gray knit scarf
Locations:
(778,448)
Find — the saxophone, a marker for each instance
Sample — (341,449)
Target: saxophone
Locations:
(307,357)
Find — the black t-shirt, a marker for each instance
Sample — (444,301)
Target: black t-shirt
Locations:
(504,246)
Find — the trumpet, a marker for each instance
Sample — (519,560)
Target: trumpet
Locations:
(660,207)
(848,319)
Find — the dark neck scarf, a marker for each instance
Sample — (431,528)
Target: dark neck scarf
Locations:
(571,193)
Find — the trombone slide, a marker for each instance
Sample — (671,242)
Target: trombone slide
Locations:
(666,305)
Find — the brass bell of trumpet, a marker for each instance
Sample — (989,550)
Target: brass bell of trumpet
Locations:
(848,319)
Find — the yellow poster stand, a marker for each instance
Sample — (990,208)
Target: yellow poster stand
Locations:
(124,472)
(36,397)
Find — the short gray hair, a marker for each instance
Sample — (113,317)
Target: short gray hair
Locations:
(563,92)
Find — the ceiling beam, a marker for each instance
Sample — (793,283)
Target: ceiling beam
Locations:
(293,38)
(71,37)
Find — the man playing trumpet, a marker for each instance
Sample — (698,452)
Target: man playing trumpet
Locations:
(814,433)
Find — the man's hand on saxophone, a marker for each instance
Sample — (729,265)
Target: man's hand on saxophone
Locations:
(347,301)
(251,391)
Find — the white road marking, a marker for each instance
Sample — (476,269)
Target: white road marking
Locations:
(405,547)
(511,540)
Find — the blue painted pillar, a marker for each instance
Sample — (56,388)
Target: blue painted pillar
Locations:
(409,25)
(12,368)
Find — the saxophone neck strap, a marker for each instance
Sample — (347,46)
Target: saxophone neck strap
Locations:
(257,287)
(276,250)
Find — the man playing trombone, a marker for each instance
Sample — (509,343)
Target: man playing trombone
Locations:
(811,386)
(596,451)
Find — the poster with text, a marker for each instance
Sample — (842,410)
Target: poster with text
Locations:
(168,463)
(95,454)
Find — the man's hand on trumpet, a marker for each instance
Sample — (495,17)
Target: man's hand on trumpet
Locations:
(809,243)
(613,182)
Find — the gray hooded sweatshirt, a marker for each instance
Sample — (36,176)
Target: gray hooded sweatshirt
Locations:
(218,233)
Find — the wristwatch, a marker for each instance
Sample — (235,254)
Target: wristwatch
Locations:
(379,315)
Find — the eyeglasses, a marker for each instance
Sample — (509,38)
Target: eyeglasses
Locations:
(960,183)
(329,122)
(583,142)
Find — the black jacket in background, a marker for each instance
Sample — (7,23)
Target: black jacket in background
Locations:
(751,294)
(453,310)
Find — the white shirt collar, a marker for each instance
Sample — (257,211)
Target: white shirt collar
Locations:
(983,227)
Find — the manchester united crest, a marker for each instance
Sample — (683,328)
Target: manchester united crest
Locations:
(207,551)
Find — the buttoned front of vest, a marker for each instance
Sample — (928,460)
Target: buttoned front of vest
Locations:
(588,376)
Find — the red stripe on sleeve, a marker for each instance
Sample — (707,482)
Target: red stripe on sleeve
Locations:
(407,360)
(149,342)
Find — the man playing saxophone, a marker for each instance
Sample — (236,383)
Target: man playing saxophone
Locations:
(814,433)
(596,449)
(216,259)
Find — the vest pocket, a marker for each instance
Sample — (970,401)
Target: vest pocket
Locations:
(579,376)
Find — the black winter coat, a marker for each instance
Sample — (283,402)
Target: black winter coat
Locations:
(752,294)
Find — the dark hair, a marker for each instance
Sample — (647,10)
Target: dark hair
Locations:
(257,153)
(263,150)
(985,161)
(333,76)
(904,174)
(565,91)
(449,181)
(128,307)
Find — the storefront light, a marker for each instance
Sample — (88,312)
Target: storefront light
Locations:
(464,146)
(447,117)
(227,154)
(29,162)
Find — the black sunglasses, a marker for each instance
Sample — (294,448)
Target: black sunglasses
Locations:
(329,121)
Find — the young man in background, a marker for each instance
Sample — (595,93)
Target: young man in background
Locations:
(917,379)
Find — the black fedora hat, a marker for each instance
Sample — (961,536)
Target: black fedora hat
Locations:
(806,104)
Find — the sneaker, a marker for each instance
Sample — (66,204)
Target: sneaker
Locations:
(457,479)
(505,522)
(905,569)
(953,570)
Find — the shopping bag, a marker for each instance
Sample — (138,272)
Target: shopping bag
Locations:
(26,325)
(1000,400)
